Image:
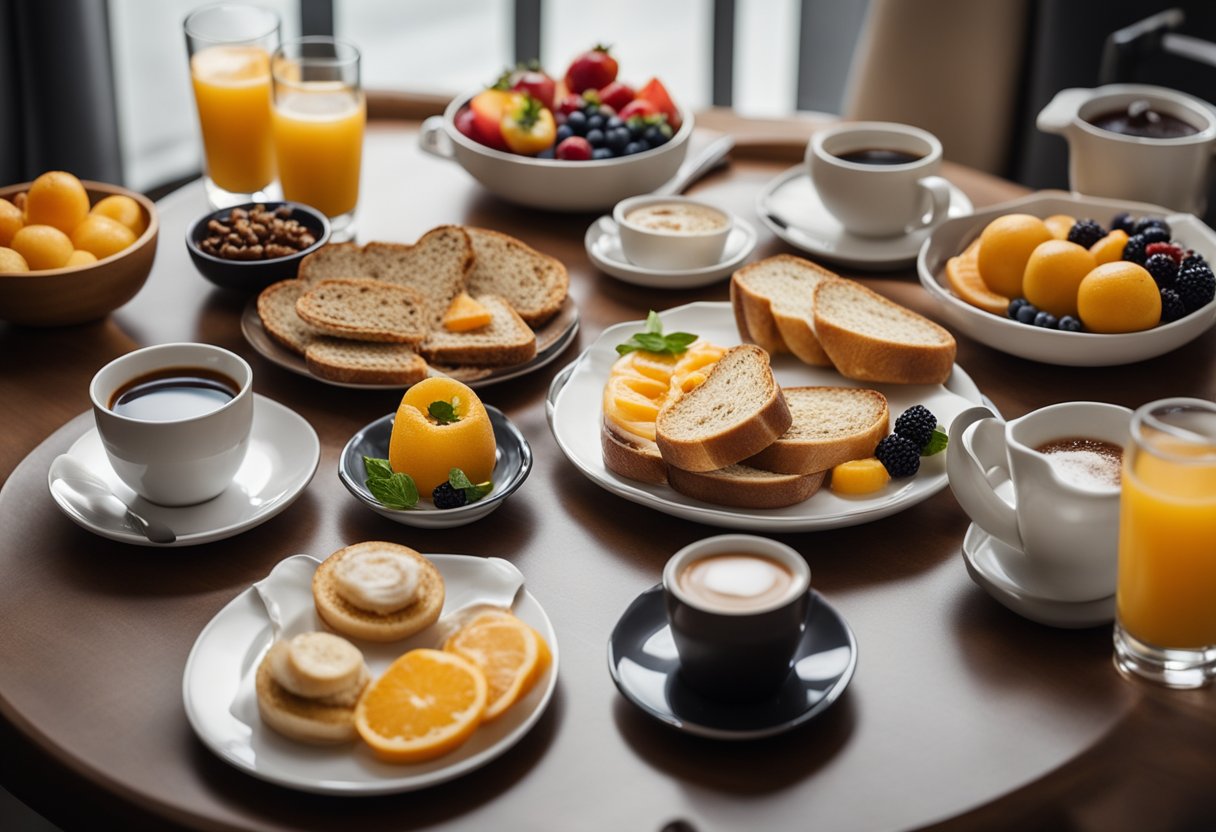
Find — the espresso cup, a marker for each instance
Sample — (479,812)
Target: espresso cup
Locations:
(879,179)
(174,420)
(737,605)
(670,233)
(1062,526)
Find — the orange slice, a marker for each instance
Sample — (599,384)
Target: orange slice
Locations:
(426,704)
(510,653)
(466,314)
(963,275)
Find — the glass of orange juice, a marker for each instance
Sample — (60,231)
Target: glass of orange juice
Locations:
(318,119)
(1165,629)
(230,47)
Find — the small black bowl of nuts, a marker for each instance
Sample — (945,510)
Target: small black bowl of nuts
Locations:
(248,247)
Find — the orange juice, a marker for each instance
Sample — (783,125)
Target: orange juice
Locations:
(318,139)
(1167,548)
(232,91)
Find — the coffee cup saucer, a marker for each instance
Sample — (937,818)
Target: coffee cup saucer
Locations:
(643,662)
(791,208)
(603,246)
(281,461)
(991,564)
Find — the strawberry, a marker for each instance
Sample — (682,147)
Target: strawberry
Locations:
(637,107)
(530,78)
(654,92)
(616,95)
(592,70)
(1172,250)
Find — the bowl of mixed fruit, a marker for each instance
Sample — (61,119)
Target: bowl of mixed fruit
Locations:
(1074,280)
(579,143)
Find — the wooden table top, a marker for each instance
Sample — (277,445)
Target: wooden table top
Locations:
(961,714)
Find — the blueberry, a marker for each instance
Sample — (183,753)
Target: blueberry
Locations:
(564,132)
(602,153)
(548,153)
(617,138)
(1027,313)
(1014,306)
(1070,324)
(595,137)
(577,122)
(595,122)
(635,147)
(1045,320)
(636,128)
(613,123)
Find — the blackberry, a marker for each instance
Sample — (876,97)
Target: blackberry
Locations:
(1069,324)
(1172,307)
(1155,234)
(917,424)
(1014,306)
(1046,320)
(1163,269)
(445,496)
(1145,223)
(1191,259)
(1085,233)
(898,455)
(1196,286)
(1133,249)
(1123,222)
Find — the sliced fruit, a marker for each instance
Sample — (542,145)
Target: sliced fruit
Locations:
(1119,297)
(466,314)
(1053,273)
(426,704)
(1005,246)
(507,651)
(964,278)
(1110,248)
(859,476)
(654,92)
(1059,225)
(488,107)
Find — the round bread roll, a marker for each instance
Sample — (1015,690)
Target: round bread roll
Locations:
(327,720)
(350,620)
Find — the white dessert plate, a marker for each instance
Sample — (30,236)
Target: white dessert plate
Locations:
(282,458)
(222,710)
(1053,346)
(604,248)
(551,339)
(512,465)
(988,563)
(791,208)
(575,416)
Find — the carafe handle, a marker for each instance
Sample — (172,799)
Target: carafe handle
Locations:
(968,468)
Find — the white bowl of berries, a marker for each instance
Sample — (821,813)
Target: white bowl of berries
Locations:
(580,144)
(1074,280)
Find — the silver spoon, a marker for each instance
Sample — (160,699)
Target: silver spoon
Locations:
(710,157)
(92,496)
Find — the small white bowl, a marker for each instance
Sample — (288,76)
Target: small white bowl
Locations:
(1053,346)
(671,245)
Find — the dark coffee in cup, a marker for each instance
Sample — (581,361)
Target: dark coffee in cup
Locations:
(736,582)
(879,156)
(173,393)
(1085,461)
(1141,119)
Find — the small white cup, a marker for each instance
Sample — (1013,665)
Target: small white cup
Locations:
(1065,534)
(879,200)
(665,246)
(176,462)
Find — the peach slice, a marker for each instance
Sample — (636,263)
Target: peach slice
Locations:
(427,448)
(963,275)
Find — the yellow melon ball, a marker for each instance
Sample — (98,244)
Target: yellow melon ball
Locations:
(80,258)
(102,236)
(1119,297)
(58,199)
(11,221)
(42,246)
(1110,248)
(11,262)
(1053,273)
(1059,225)
(125,210)
(1005,246)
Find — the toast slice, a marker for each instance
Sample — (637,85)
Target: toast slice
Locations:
(831,425)
(773,301)
(873,339)
(437,266)
(505,340)
(634,457)
(735,413)
(534,284)
(277,310)
(365,310)
(745,487)
(364,362)
(331,261)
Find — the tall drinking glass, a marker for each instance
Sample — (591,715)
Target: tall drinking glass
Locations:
(1166,597)
(319,115)
(230,47)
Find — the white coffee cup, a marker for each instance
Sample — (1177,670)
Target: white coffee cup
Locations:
(183,461)
(1064,533)
(1170,172)
(879,200)
(693,237)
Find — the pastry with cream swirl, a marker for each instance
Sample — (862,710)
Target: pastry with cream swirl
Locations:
(378,591)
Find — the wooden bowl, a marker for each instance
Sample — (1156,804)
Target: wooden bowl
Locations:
(59,297)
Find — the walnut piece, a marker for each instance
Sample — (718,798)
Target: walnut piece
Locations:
(256,234)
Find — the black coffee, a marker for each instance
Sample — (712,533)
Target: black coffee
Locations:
(879,156)
(1140,119)
(173,393)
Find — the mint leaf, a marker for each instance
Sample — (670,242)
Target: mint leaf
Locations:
(654,325)
(442,412)
(937,443)
(397,491)
(653,339)
(377,468)
(459,480)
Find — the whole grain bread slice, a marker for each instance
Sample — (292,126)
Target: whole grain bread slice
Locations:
(773,302)
(277,311)
(334,260)
(364,362)
(365,310)
(505,340)
(534,284)
(735,413)
(831,425)
(745,487)
(634,458)
(437,266)
(874,339)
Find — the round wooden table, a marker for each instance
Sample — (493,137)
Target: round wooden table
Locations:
(961,714)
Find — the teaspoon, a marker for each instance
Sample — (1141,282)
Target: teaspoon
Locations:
(93,497)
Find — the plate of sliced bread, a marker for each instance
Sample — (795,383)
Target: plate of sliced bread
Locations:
(470,303)
(738,430)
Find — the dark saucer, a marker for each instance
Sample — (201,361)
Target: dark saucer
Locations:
(643,663)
